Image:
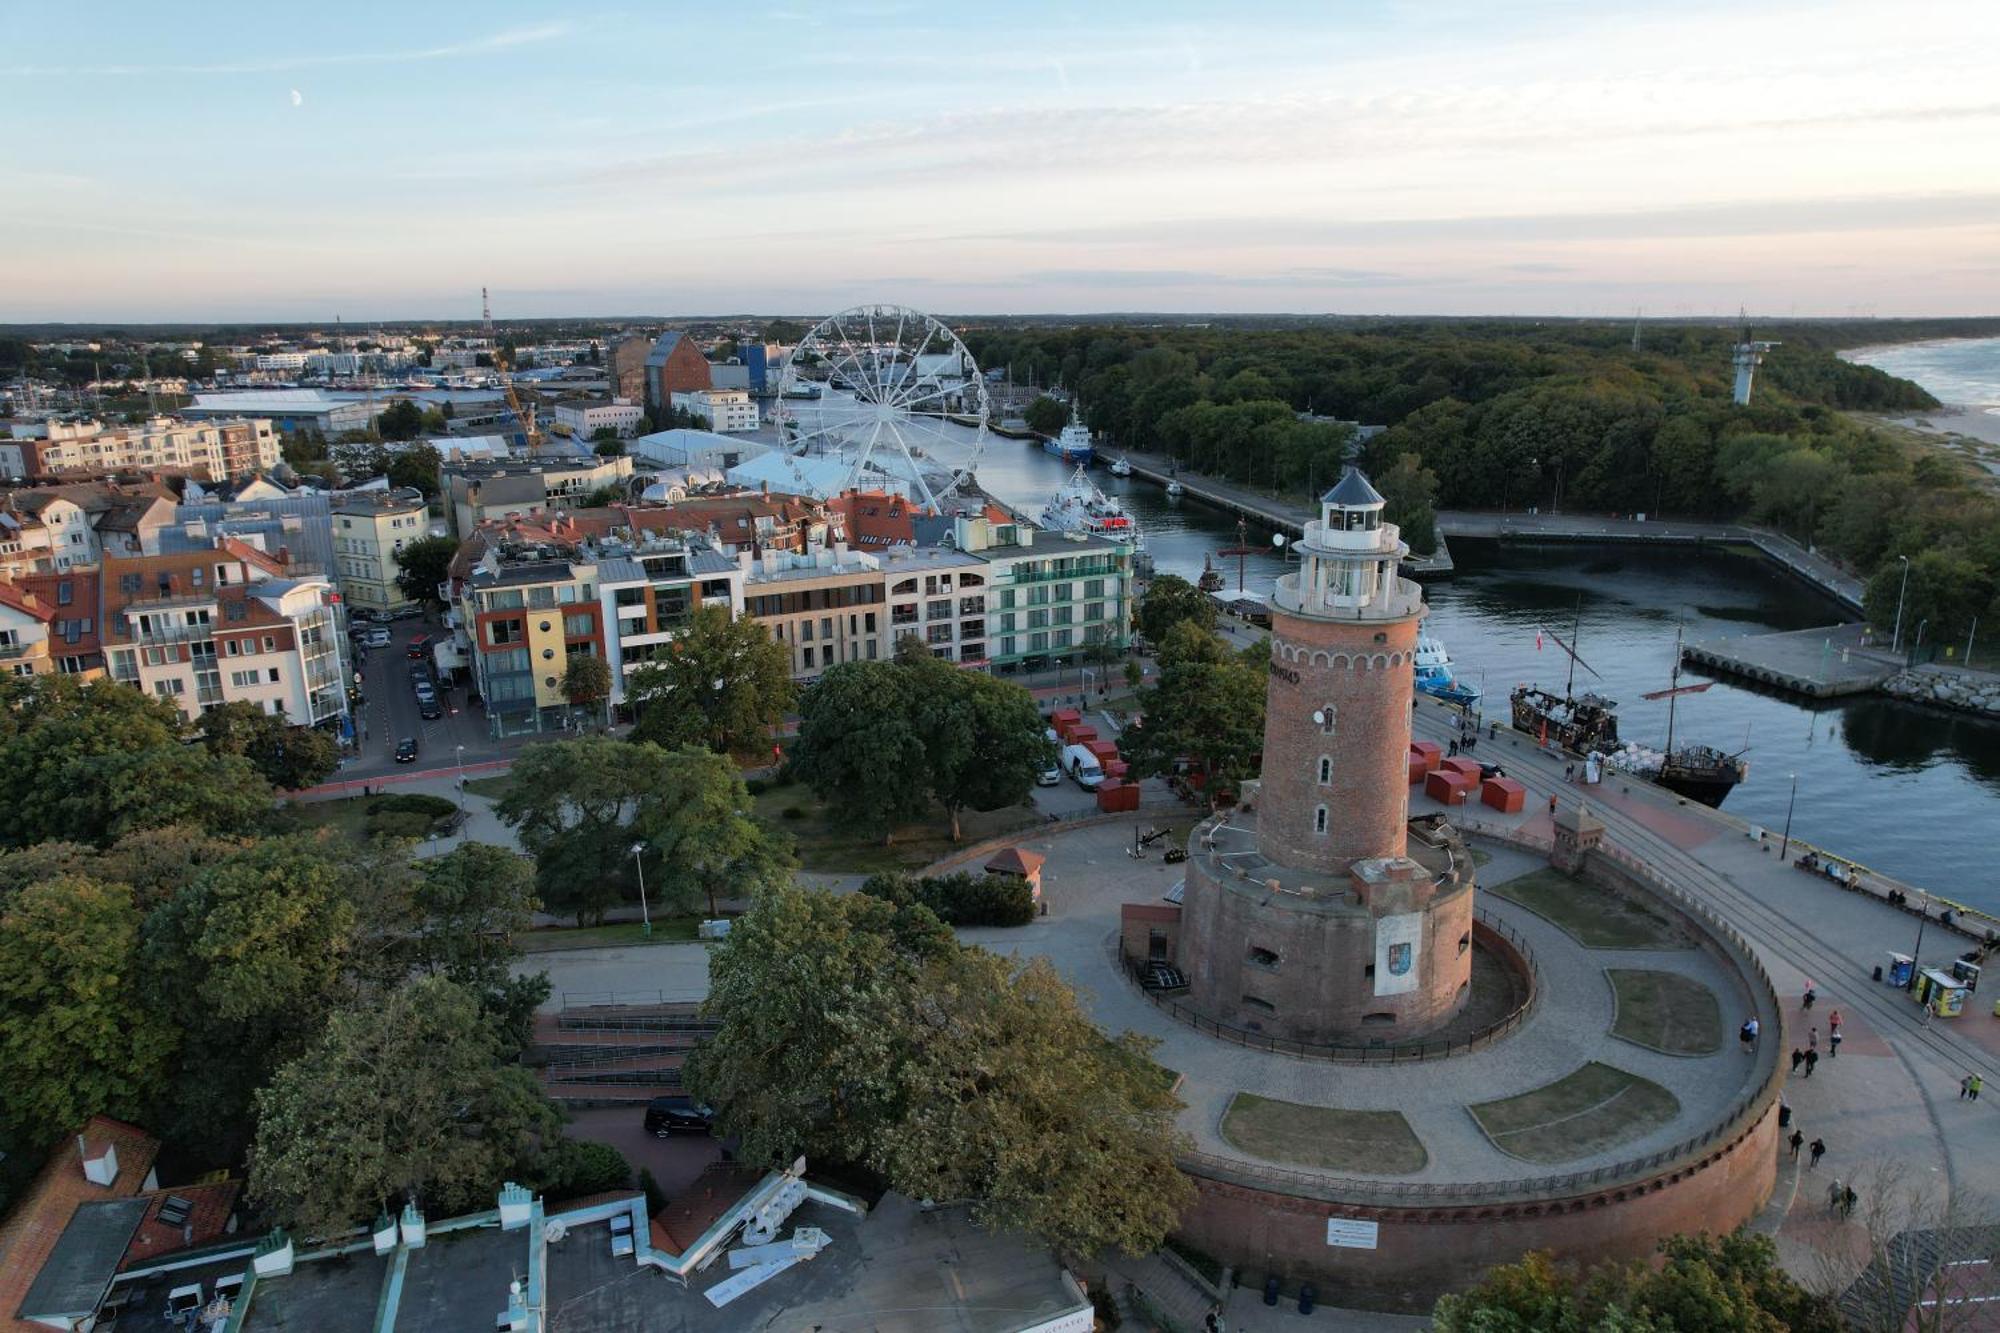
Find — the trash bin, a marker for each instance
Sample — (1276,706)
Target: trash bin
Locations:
(1307,1294)
(1270,1291)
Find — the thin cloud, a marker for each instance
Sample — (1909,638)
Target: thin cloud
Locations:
(499,41)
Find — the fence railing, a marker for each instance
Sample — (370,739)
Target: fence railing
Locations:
(1742,1115)
(1377,1053)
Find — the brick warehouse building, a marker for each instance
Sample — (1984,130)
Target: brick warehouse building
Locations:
(1307,916)
(675,365)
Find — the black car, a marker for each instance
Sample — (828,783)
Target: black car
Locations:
(406,750)
(666,1116)
(428,707)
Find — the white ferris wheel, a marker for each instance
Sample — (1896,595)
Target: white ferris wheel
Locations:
(892,395)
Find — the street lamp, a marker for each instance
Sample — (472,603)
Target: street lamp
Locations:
(1786,845)
(1896,639)
(645,916)
(461,777)
(1923,919)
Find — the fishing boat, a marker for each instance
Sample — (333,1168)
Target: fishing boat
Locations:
(1073,445)
(1078,506)
(1121,467)
(1434,675)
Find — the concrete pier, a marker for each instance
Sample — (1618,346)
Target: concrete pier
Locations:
(1823,663)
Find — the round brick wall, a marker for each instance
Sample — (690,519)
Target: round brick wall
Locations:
(1360,676)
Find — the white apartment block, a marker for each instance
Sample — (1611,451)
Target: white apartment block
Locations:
(729,411)
(585,419)
(206,450)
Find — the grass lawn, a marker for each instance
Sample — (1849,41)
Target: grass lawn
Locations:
(1582,1113)
(1374,1142)
(492,787)
(1595,918)
(827,842)
(348,817)
(1665,1012)
(666,930)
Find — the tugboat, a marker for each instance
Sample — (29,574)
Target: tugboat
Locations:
(1434,675)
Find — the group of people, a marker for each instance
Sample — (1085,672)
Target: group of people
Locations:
(1808,1055)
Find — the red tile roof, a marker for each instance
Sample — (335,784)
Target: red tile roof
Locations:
(29,1233)
(1014,861)
(208,1219)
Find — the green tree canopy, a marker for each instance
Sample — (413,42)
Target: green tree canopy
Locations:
(416,466)
(1205,708)
(983,738)
(1947,589)
(1046,415)
(400,420)
(857,1030)
(859,746)
(700,841)
(414,1097)
(76,1037)
(1169,600)
(722,683)
(586,680)
(288,757)
(421,566)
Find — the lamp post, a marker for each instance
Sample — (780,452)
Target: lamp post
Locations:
(645,916)
(461,777)
(1896,639)
(1916,953)
(1786,845)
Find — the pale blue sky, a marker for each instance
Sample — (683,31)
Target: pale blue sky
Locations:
(371,160)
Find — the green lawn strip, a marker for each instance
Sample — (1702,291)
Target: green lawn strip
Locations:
(493,788)
(831,843)
(1665,1012)
(666,930)
(1594,917)
(1584,1112)
(1374,1142)
(348,817)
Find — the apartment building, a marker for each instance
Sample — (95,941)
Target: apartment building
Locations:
(937,595)
(826,605)
(50,529)
(521,616)
(650,588)
(729,411)
(477,492)
(48,625)
(206,450)
(583,419)
(1050,595)
(369,527)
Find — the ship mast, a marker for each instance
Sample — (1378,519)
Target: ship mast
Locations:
(1576,626)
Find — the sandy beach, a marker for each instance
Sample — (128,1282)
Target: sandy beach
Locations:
(1974,422)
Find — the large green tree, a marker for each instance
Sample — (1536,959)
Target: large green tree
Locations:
(1046,415)
(1206,708)
(76,1036)
(983,738)
(417,467)
(586,682)
(700,841)
(857,1030)
(859,746)
(723,683)
(1946,591)
(421,566)
(400,420)
(568,802)
(289,757)
(413,1097)
(1169,600)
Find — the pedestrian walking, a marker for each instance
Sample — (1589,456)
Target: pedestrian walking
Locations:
(1833,1044)
(1977,1083)
(1747,1034)
(1848,1198)
(1812,1039)
(1818,1151)
(1798,1058)
(1833,1196)
(1812,1062)
(1833,1021)
(1798,1141)
(1569,773)
(1552,804)
(1810,994)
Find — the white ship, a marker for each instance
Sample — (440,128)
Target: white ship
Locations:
(1121,467)
(1078,506)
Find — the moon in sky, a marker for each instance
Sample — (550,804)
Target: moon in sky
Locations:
(298,98)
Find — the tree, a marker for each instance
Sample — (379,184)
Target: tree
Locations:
(400,420)
(859,746)
(1169,600)
(694,821)
(1046,415)
(466,908)
(1410,490)
(422,566)
(435,422)
(857,1030)
(609,448)
(1946,589)
(568,802)
(290,758)
(418,467)
(722,683)
(586,681)
(412,1098)
(983,738)
(75,1036)
(1705,1282)
(1206,708)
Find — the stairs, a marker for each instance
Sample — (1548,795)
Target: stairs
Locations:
(597,1055)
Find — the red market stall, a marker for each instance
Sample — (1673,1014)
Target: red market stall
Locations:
(1447,787)
(1456,764)
(1117,797)
(1430,752)
(1503,794)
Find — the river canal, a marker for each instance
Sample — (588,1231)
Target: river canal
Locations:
(1911,793)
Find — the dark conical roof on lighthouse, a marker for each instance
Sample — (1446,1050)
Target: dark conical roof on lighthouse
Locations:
(1352,491)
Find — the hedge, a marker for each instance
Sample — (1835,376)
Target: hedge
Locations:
(961,898)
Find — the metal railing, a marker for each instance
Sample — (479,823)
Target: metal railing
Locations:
(1377,1053)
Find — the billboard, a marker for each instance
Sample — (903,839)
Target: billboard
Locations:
(1397,942)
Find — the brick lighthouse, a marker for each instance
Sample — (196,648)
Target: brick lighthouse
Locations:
(1308,914)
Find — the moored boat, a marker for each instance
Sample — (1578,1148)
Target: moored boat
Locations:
(1073,445)
(1079,506)
(1121,467)
(1434,674)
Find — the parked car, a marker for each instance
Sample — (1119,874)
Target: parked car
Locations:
(420,647)
(376,637)
(406,612)
(667,1116)
(428,707)
(406,750)
(1082,765)
(1049,776)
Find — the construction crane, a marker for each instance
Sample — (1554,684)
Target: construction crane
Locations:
(529,433)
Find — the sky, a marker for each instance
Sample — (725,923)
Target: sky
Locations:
(385,161)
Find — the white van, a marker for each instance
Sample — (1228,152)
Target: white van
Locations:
(1082,765)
